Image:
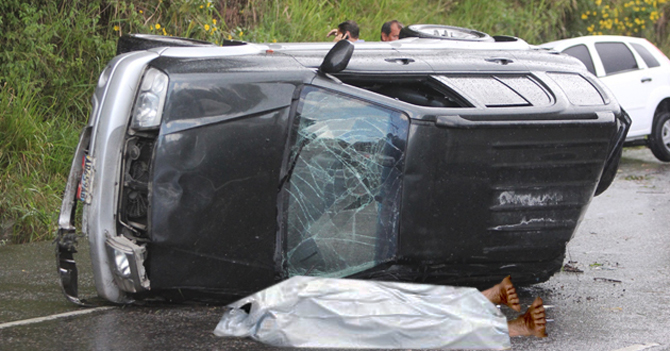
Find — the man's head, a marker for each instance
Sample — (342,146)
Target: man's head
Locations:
(391,30)
(348,29)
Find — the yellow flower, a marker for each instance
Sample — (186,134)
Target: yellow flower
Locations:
(241,33)
(274,40)
(584,16)
(209,3)
(164,32)
(213,29)
(152,27)
(141,11)
(230,37)
(158,26)
(116,28)
(214,20)
(206,27)
(201,6)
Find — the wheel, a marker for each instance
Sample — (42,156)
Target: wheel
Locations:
(135,42)
(659,140)
(436,31)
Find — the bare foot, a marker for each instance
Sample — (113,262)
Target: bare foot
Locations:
(533,322)
(504,293)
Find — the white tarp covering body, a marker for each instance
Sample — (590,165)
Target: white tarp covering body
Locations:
(345,313)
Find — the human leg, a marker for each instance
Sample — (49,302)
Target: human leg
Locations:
(503,293)
(531,323)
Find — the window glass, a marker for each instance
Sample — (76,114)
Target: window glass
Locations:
(528,88)
(581,52)
(487,90)
(343,190)
(648,58)
(616,57)
(578,90)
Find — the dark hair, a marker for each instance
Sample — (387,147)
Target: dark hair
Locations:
(349,26)
(386,27)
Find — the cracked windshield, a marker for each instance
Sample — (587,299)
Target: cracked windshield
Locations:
(345,183)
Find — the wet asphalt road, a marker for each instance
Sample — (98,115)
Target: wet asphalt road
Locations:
(618,300)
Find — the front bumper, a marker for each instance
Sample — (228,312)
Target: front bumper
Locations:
(101,141)
(66,239)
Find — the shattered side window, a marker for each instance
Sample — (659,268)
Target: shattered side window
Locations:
(345,169)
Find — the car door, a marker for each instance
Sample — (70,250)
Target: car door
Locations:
(652,81)
(342,192)
(629,79)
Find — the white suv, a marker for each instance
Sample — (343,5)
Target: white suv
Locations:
(638,74)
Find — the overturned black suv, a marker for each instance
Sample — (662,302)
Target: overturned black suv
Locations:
(449,158)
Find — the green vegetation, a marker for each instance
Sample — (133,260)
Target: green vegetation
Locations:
(51,53)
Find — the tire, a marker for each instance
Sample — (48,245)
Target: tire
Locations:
(436,31)
(137,42)
(659,140)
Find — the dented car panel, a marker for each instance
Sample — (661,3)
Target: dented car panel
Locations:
(215,187)
(521,191)
(227,169)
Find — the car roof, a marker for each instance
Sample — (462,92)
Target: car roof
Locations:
(406,44)
(409,55)
(589,39)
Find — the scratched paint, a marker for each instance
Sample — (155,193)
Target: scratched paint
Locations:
(529,199)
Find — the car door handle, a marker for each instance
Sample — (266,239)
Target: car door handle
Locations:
(499,60)
(644,80)
(400,61)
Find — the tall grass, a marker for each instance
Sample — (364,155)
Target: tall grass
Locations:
(295,20)
(35,151)
(51,53)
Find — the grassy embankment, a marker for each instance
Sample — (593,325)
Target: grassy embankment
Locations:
(51,53)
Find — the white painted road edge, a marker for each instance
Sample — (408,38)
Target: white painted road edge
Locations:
(53,316)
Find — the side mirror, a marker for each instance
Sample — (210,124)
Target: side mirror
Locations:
(338,57)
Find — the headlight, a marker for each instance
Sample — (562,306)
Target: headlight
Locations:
(126,261)
(148,110)
(122,263)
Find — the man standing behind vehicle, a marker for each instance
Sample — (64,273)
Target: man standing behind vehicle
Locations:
(346,30)
(391,30)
